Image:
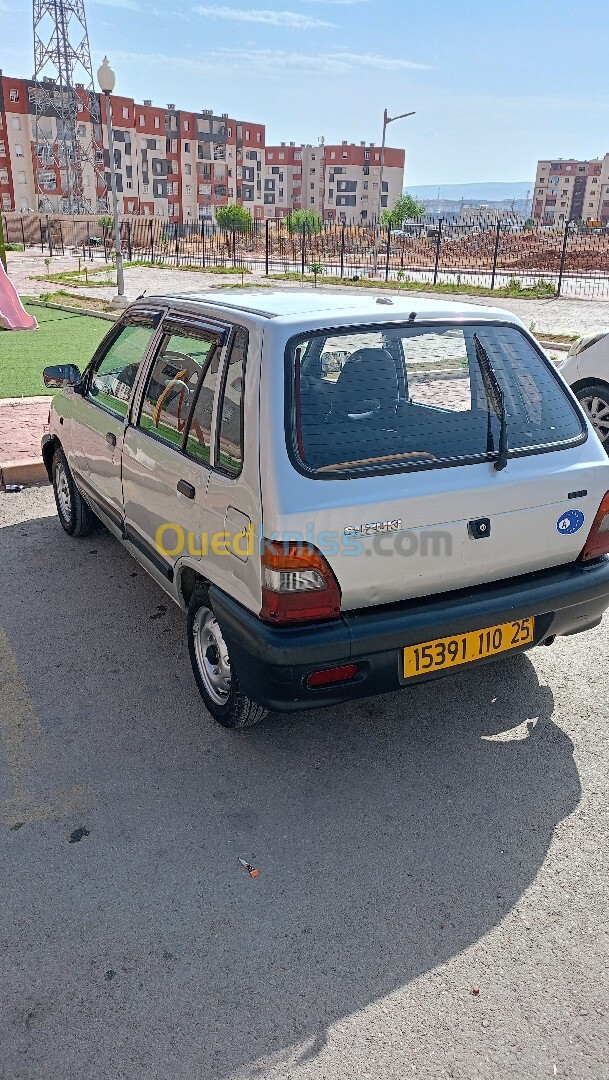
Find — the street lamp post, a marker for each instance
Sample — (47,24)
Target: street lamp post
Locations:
(386,120)
(107,80)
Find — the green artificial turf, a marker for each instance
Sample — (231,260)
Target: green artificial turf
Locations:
(60,339)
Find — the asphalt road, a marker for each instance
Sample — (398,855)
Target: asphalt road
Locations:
(412,849)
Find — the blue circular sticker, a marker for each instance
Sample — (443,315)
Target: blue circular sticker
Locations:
(571,522)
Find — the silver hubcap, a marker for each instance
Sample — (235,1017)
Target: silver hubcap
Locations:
(63,492)
(212,656)
(598,414)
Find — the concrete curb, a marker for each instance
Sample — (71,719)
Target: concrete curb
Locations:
(23,472)
(108,315)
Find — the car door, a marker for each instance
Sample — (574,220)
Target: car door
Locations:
(100,414)
(166,450)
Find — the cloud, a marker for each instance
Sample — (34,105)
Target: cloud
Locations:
(292,19)
(336,3)
(124,5)
(272,61)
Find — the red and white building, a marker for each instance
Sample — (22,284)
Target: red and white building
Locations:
(171,163)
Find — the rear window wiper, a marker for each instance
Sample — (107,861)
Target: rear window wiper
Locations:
(496,400)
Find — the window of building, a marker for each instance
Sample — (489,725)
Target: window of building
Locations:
(13,95)
(186,125)
(16,123)
(6,202)
(282,157)
(142,120)
(247,134)
(129,185)
(332,155)
(130,207)
(125,113)
(18,150)
(145,188)
(187,148)
(258,137)
(157,122)
(2,149)
(345,154)
(189,189)
(188,170)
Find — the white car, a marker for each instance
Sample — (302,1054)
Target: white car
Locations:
(434,498)
(586,369)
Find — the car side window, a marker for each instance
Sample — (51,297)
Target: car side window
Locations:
(229,456)
(198,440)
(172,384)
(111,382)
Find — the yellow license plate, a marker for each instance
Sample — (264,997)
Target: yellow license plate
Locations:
(459,649)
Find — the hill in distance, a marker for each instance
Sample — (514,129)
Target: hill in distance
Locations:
(493,191)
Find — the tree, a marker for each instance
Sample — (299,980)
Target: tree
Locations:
(308,220)
(315,269)
(234,217)
(406,208)
(105,221)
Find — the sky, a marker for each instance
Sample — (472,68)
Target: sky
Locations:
(494,87)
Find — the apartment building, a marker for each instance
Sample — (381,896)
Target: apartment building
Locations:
(27,165)
(352,178)
(171,163)
(339,181)
(571,190)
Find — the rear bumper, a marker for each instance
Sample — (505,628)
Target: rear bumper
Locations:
(274,662)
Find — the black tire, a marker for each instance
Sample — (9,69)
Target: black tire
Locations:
(594,400)
(75,516)
(215,677)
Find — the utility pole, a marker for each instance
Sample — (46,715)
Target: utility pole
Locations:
(386,121)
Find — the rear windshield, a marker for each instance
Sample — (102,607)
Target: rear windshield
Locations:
(421,397)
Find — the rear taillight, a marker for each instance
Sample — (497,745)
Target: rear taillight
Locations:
(297,583)
(597,543)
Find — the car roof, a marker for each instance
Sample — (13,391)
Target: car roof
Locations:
(291,305)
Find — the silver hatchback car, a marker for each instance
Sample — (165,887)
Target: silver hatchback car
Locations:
(346,495)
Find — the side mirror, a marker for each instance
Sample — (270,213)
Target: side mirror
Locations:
(58,376)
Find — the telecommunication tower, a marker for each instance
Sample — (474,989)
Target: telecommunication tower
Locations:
(68,132)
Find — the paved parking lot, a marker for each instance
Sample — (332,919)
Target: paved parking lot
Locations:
(432,899)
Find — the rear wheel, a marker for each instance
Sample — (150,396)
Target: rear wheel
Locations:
(594,400)
(74,514)
(215,676)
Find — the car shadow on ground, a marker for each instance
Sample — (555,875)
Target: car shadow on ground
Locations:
(390,835)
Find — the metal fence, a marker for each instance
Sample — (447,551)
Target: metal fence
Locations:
(570,260)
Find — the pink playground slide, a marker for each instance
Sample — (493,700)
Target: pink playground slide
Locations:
(13,315)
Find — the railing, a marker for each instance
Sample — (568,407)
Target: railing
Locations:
(570,260)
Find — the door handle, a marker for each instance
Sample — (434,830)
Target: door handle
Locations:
(186,489)
(111,438)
